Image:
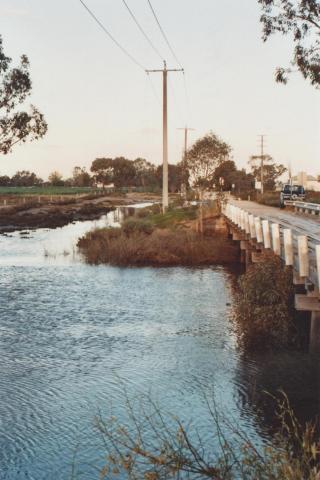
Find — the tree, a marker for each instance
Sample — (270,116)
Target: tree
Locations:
(204,157)
(24,178)
(81,177)
(175,176)
(5,181)
(15,86)
(271,171)
(55,178)
(301,19)
(123,172)
(226,171)
(144,173)
(102,169)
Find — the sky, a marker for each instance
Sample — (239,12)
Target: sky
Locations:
(98,102)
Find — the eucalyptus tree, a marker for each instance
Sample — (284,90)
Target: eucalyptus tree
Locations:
(301,20)
(17,125)
(206,154)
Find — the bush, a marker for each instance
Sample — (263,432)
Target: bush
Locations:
(272,199)
(153,445)
(264,310)
(139,247)
(134,225)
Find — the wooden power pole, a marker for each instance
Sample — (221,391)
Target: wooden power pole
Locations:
(165,181)
(186,130)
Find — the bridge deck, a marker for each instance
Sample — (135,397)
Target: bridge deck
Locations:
(302,224)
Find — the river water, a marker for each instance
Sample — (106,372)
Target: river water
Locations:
(74,336)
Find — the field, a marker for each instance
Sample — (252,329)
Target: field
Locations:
(46,190)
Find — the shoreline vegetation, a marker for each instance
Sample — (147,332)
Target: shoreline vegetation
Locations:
(153,239)
(159,445)
(57,212)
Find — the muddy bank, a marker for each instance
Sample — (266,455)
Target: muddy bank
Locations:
(57,215)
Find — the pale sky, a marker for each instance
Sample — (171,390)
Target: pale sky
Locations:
(99,103)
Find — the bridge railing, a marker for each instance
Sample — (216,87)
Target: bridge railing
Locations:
(306,207)
(295,249)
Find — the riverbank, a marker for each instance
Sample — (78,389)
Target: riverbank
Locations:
(161,240)
(52,215)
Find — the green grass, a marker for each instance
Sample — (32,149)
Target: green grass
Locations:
(46,190)
(172,217)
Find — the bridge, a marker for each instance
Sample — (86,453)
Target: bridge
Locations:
(294,237)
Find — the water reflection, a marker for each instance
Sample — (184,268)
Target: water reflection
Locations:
(70,331)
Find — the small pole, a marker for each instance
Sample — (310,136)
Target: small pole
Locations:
(252,226)
(259,232)
(266,234)
(318,264)
(303,255)
(288,246)
(276,238)
(247,225)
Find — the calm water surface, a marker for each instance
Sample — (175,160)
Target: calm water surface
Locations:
(72,335)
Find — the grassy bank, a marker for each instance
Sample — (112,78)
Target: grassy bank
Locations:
(157,240)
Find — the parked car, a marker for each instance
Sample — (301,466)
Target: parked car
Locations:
(292,192)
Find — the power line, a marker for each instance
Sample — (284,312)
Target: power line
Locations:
(110,35)
(163,33)
(142,30)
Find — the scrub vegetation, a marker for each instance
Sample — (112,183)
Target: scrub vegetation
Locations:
(264,309)
(157,240)
(152,445)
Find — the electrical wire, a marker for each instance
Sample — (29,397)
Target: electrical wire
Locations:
(101,25)
(163,33)
(142,30)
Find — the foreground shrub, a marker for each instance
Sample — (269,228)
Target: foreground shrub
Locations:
(151,445)
(264,310)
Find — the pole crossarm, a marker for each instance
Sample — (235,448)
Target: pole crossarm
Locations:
(165,69)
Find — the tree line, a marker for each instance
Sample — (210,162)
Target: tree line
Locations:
(207,165)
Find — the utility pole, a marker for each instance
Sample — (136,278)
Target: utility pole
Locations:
(164,71)
(186,130)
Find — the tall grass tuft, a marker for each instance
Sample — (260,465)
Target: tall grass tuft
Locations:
(264,308)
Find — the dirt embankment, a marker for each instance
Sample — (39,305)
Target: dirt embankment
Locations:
(49,215)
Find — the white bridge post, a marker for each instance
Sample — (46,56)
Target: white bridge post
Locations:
(288,246)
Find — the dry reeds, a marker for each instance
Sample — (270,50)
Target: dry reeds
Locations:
(159,247)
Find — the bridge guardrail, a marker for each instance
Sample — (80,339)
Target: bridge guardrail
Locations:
(313,208)
(295,249)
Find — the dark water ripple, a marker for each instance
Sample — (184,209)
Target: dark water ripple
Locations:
(72,336)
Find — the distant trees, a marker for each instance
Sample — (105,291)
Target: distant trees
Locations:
(204,157)
(55,178)
(123,172)
(24,178)
(80,177)
(5,181)
(144,173)
(233,179)
(102,170)
(301,19)
(15,86)
(271,171)
(175,177)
